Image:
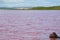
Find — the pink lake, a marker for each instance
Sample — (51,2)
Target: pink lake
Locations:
(29,24)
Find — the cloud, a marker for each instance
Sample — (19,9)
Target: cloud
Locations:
(13,0)
(28,3)
(11,3)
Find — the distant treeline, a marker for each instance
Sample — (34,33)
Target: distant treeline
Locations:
(33,8)
(46,8)
(5,8)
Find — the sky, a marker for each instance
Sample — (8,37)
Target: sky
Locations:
(28,3)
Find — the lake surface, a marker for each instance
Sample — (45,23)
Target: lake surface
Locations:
(29,24)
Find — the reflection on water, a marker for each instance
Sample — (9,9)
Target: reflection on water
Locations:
(54,38)
(58,39)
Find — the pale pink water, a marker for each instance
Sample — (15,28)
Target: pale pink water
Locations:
(28,24)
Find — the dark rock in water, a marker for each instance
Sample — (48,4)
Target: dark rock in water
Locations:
(53,35)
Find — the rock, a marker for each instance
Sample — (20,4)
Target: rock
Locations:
(53,35)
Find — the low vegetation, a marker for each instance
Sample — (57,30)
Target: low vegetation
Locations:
(46,8)
(33,8)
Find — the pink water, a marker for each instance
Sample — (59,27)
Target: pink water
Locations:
(28,24)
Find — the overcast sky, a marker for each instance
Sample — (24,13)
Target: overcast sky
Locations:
(28,3)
